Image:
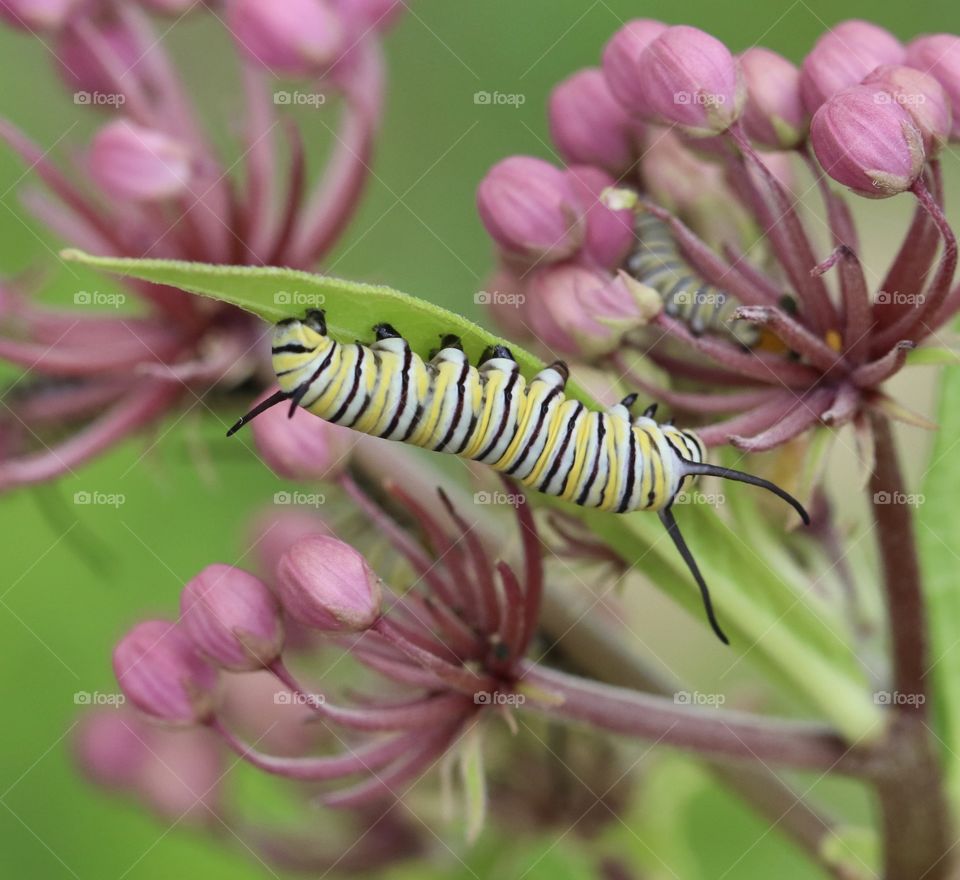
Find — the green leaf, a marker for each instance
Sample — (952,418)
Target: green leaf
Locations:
(929,356)
(937,539)
(474,782)
(352,308)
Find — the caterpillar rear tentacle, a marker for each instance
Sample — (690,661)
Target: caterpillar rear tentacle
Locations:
(529,431)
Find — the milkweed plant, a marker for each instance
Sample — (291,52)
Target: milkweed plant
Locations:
(417,648)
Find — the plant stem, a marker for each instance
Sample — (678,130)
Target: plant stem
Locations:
(711,732)
(915,818)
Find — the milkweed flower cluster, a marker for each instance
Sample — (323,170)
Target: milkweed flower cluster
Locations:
(151,183)
(677,157)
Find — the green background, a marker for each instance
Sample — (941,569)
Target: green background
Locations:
(417,230)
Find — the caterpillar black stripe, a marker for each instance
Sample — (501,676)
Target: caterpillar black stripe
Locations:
(529,430)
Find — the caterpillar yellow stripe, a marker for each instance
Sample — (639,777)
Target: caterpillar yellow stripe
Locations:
(526,429)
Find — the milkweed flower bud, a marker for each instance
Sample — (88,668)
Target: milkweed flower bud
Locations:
(82,68)
(301,448)
(184,780)
(163,675)
(922,97)
(37,14)
(867,143)
(111,746)
(939,56)
(292,38)
(842,57)
(232,618)
(677,178)
(774,115)
(530,210)
(378,14)
(171,7)
(326,584)
(506,301)
(621,63)
(609,233)
(589,126)
(130,161)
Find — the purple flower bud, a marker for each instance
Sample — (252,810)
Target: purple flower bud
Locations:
(275,530)
(31,15)
(379,14)
(691,80)
(774,115)
(292,38)
(232,618)
(939,56)
(326,584)
(129,161)
(676,177)
(301,448)
(621,63)
(530,210)
(161,673)
(111,746)
(609,233)
(589,126)
(867,142)
(171,7)
(82,68)
(183,781)
(843,56)
(922,97)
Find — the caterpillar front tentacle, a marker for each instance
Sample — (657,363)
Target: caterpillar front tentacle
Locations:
(527,430)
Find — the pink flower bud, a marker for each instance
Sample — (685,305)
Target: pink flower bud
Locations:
(691,79)
(378,14)
(939,56)
(82,69)
(774,115)
(621,63)
(129,161)
(232,618)
(675,177)
(589,126)
(301,448)
(171,7)
(162,674)
(582,312)
(609,233)
(292,38)
(32,15)
(326,584)
(275,530)
(111,746)
(506,300)
(922,97)
(183,780)
(867,143)
(843,56)
(530,210)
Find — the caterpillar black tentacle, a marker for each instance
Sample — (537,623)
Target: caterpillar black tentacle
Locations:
(528,430)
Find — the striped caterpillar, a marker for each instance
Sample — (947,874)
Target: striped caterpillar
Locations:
(527,430)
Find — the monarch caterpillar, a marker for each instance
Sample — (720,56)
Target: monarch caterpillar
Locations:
(703,307)
(608,460)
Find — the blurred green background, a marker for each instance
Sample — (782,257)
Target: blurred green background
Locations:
(418,231)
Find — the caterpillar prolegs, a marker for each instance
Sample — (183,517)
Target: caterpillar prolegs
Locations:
(528,430)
